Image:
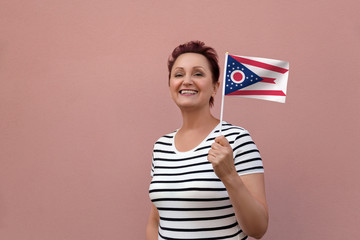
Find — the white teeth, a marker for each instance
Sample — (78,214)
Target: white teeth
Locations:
(188,92)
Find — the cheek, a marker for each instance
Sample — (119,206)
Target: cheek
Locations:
(210,88)
(172,88)
(171,85)
(174,84)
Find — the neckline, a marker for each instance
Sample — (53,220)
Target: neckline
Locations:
(196,147)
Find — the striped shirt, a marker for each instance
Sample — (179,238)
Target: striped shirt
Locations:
(191,200)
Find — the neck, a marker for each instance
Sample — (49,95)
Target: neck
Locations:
(198,119)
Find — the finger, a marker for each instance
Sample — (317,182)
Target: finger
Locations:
(215,146)
(213,152)
(222,141)
(210,157)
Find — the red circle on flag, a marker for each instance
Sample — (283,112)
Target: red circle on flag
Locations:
(237,76)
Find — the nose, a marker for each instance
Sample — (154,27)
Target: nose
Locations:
(187,80)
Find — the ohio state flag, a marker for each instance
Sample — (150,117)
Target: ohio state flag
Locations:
(255,77)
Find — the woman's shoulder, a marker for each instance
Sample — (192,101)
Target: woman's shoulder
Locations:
(228,128)
(166,139)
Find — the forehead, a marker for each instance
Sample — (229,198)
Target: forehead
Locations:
(190,60)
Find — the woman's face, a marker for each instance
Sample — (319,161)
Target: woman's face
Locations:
(191,84)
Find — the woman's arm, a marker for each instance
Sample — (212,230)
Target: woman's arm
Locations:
(247,193)
(153,224)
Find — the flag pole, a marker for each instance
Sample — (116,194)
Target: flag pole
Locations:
(223,92)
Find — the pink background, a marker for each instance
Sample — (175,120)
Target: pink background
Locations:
(83,97)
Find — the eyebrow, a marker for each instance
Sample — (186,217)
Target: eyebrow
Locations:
(193,67)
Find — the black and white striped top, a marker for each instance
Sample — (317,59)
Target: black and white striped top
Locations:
(191,200)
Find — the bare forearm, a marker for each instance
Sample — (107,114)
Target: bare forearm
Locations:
(151,232)
(251,214)
(153,224)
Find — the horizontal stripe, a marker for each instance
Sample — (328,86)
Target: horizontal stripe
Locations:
(187,189)
(241,136)
(246,152)
(183,166)
(260,64)
(227,129)
(183,173)
(167,136)
(199,229)
(179,159)
(189,180)
(248,169)
(268,80)
(202,148)
(190,199)
(164,151)
(248,160)
(194,209)
(207,238)
(207,147)
(258,92)
(197,219)
(163,143)
(243,144)
(226,135)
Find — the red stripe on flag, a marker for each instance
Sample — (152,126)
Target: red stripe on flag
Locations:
(268,80)
(258,92)
(260,64)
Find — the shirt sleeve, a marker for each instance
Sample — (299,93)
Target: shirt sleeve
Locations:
(247,157)
(152,165)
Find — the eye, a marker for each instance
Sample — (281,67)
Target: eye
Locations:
(198,74)
(178,75)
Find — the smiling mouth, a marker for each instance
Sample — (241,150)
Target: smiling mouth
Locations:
(188,92)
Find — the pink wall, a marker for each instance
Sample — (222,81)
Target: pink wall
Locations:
(83,96)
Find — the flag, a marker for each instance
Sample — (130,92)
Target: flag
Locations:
(256,77)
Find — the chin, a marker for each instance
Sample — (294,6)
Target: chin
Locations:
(190,106)
(186,106)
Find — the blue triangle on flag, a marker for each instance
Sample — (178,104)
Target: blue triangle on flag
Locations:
(238,76)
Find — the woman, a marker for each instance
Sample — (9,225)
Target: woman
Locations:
(204,186)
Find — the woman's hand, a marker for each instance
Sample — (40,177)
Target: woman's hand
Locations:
(221,157)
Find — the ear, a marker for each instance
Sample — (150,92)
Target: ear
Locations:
(170,94)
(216,87)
